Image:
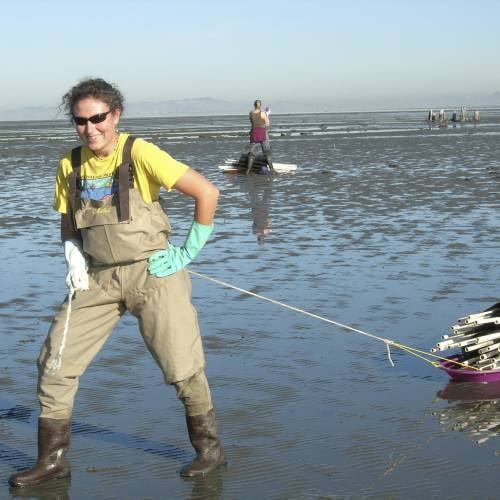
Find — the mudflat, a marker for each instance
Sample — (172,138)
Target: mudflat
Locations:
(389,225)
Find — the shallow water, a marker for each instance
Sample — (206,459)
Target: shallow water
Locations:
(388,226)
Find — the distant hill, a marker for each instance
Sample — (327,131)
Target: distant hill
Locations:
(30,113)
(182,107)
(210,106)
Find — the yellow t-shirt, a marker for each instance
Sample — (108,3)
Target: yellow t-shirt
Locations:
(153,168)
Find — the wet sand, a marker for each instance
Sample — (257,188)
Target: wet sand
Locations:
(387,226)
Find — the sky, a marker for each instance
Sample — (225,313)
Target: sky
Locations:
(295,50)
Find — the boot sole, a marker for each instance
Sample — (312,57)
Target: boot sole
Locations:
(37,483)
(204,473)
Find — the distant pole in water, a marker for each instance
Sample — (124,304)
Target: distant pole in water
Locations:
(442,118)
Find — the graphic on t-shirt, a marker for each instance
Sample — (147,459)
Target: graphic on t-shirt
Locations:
(99,189)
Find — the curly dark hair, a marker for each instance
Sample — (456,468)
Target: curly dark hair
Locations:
(92,87)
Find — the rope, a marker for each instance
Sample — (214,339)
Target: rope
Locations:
(388,342)
(55,364)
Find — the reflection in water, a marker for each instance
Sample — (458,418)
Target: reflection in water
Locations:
(260,190)
(57,489)
(474,409)
(208,487)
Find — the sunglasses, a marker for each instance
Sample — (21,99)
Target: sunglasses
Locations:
(79,120)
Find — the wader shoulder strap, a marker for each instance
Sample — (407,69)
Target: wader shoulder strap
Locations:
(125,179)
(68,225)
(74,177)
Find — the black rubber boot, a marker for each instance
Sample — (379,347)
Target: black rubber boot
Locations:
(250,160)
(203,436)
(269,160)
(53,443)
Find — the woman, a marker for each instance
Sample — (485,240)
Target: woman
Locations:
(259,136)
(115,237)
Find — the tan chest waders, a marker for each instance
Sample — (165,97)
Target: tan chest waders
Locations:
(118,234)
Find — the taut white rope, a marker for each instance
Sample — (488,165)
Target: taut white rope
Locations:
(296,309)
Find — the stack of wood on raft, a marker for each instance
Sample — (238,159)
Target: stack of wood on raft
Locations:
(260,161)
(478,337)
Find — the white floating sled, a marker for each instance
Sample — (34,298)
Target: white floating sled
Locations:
(279,167)
(234,166)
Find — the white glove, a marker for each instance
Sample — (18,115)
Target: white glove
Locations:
(77,278)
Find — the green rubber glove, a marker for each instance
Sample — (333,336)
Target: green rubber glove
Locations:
(165,262)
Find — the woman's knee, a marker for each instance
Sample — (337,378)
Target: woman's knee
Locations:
(194,392)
